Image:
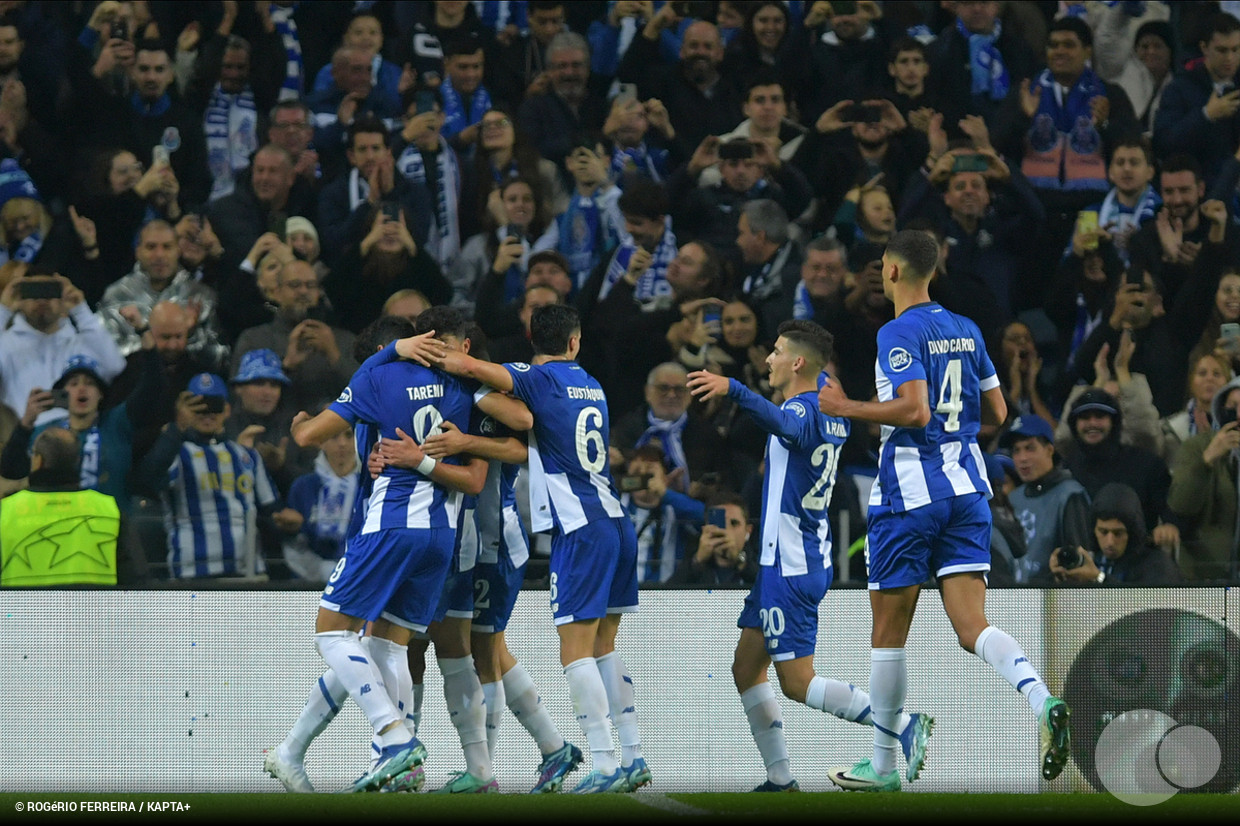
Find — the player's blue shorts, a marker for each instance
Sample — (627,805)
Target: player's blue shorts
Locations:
(946,537)
(785,609)
(396,574)
(594,571)
(457,599)
(496,586)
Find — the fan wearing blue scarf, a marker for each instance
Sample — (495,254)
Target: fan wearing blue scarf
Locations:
(1070,109)
(1132,200)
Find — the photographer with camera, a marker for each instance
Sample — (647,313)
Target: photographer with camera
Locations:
(661,517)
(44,320)
(1052,506)
(1121,552)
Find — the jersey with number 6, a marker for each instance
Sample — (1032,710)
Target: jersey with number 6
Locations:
(917,466)
(417,400)
(570,476)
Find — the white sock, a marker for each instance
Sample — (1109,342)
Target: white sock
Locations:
(392,660)
(527,707)
(493,695)
(321,708)
(1004,655)
(621,700)
(344,654)
(888,685)
(766,724)
(467,709)
(589,696)
(845,701)
(413,714)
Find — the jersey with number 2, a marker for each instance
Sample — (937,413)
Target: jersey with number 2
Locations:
(918,465)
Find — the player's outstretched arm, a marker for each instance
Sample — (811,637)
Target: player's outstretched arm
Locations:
(772,419)
(910,407)
(488,372)
(511,412)
(307,430)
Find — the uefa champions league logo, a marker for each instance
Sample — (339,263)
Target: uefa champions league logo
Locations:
(1144,757)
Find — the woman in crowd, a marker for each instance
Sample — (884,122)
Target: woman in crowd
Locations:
(502,154)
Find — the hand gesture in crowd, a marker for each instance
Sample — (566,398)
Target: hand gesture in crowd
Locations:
(1100,108)
(1224,442)
(706,155)
(265,244)
(1030,97)
(70,295)
(659,119)
(189,405)
(187,40)
(919,119)
(408,79)
(85,229)
(638,264)
(1220,107)
(508,252)
(835,118)
(975,127)
(38,401)
(310,336)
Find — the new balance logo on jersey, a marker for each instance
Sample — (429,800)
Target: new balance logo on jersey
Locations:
(899,359)
(365,689)
(520,367)
(346,396)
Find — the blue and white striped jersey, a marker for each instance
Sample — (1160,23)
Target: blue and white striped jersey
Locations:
(917,466)
(570,475)
(392,394)
(802,462)
(500,532)
(210,509)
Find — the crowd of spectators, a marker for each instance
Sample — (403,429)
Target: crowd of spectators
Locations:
(205,205)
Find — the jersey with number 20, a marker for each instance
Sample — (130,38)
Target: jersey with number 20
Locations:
(570,476)
(918,466)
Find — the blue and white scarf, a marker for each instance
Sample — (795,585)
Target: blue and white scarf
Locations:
(990,76)
(455,118)
(329,516)
(1121,221)
(652,285)
(230,125)
(802,304)
(669,434)
(26,251)
(294,69)
(640,159)
(446,244)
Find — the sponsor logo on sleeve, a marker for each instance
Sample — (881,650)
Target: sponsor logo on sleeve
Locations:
(898,359)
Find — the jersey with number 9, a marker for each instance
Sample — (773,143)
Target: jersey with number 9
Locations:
(570,473)
(922,465)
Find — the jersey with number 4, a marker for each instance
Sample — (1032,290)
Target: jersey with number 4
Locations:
(570,477)
(917,466)
(418,400)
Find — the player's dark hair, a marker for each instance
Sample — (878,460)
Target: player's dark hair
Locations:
(378,333)
(444,320)
(477,341)
(810,339)
(551,326)
(919,250)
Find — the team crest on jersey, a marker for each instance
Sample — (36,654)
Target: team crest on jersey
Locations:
(346,396)
(520,366)
(797,408)
(898,359)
